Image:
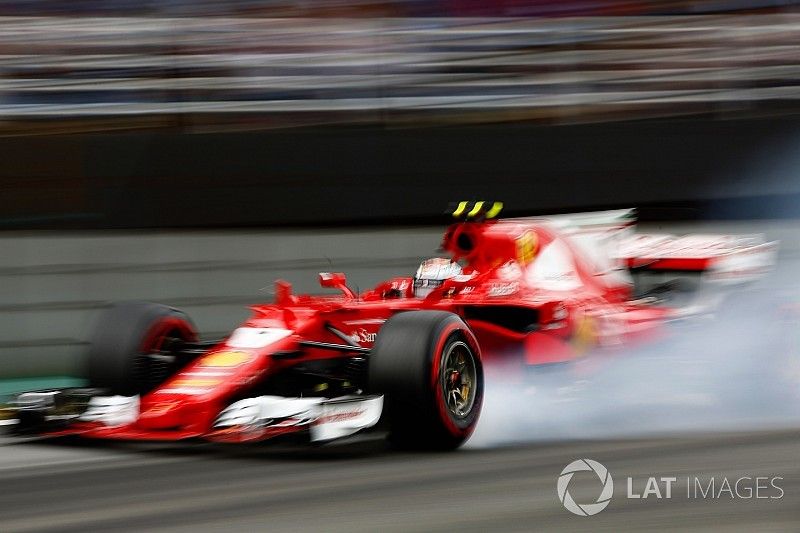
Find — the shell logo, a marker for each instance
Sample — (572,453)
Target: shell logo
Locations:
(225,359)
(196,383)
(584,335)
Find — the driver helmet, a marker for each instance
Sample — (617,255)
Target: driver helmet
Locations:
(432,273)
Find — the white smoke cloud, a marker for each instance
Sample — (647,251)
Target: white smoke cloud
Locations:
(737,371)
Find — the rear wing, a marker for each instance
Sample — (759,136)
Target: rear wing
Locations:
(722,257)
(609,240)
(593,221)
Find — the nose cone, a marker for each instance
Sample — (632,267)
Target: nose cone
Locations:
(161,414)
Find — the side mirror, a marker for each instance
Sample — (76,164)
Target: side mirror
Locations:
(335,280)
(332,280)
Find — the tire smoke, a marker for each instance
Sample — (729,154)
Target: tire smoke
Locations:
(736,369)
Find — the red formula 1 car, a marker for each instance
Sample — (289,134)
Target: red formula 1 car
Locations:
(406,356)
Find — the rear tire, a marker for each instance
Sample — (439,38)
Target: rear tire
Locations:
(126,336)
(427,365)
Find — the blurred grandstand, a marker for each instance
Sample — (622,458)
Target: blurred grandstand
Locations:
(198,66)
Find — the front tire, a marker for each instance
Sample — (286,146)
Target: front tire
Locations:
(130,350)
(427,365)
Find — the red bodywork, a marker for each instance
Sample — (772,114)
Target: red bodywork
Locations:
(525,307)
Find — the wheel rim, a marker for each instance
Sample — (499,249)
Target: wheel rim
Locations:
(459,379)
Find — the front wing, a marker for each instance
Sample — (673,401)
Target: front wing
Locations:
(57,413)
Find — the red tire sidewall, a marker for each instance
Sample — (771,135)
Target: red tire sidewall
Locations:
(455,330)
(153,339)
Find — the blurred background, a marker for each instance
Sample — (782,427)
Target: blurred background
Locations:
(170,113)
(190,152)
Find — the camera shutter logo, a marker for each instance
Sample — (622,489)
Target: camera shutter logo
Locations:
(586,509)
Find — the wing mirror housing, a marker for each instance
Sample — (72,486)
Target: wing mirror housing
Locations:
(335,280)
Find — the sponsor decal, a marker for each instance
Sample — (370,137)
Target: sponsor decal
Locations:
(509,271)
(159,408)
(195,382)
(527,245)
(361,335)
(207,372)
(584,335)
(502,289)
(339,417)
(400,286)
(225,359)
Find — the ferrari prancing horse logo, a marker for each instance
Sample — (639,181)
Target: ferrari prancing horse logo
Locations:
(527,245)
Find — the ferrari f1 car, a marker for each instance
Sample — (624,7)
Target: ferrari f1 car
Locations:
(407,356)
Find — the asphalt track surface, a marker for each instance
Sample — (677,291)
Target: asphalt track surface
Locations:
(71,485)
